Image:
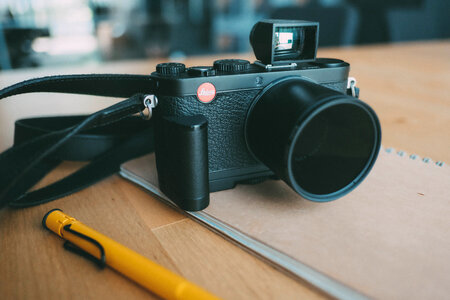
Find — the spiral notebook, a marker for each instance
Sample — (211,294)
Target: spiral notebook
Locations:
(388,239)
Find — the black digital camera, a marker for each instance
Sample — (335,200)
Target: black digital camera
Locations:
(287,116)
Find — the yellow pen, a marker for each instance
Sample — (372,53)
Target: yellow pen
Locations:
(148,274)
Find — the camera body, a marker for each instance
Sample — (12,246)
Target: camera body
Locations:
(202,126)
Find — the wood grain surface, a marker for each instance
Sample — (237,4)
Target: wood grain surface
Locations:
(408,85)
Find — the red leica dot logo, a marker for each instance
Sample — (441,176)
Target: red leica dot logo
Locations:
(206,92)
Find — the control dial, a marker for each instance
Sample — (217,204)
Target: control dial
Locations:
(170,68)
(329,63)
(231,65)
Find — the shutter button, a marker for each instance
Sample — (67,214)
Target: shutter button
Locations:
(201,71)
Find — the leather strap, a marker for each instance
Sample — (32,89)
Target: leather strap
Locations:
(106,148)
(40,144)
(110,85)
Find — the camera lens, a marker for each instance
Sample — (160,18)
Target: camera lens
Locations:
(319,141)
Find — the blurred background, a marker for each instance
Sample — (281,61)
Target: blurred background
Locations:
(37,33)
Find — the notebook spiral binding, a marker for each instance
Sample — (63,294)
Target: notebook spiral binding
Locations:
(426,160)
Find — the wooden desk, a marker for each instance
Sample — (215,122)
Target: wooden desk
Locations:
(408,85)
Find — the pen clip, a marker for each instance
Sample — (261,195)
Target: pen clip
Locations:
(75,249)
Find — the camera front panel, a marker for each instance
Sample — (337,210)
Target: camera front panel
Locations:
(226,115)
(230,160)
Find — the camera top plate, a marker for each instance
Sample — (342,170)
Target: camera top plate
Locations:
(185,83)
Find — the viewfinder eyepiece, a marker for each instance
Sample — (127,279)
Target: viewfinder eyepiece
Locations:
(278,42)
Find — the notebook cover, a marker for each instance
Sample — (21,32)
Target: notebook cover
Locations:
(389,238)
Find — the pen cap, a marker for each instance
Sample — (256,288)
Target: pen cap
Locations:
(55,220)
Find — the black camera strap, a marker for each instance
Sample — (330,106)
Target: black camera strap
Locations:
(107,138)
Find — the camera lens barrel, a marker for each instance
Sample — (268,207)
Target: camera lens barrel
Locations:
(319,141)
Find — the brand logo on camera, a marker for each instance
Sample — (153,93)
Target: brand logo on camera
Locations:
(206,92)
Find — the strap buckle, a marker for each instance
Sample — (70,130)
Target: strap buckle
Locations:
(150,102)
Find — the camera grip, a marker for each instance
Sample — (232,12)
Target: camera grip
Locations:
(181,151)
